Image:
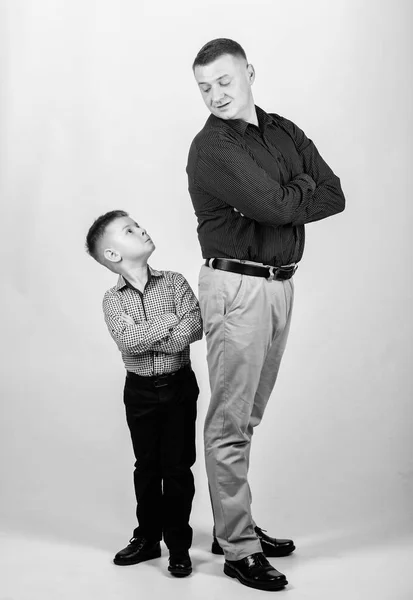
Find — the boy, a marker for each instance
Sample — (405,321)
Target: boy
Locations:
(153,316)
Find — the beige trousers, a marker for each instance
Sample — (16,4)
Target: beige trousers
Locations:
(246,322)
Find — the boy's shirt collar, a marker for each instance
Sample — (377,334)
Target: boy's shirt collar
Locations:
(151,273)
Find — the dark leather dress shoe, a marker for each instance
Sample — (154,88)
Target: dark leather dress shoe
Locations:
(270,546)
(256,572)
(138,550)
(180,563)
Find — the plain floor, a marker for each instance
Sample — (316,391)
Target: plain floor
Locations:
(34,568)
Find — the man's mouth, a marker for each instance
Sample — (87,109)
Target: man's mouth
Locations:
(221,106)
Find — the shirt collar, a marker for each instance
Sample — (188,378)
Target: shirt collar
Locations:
(240,126)
(151,273)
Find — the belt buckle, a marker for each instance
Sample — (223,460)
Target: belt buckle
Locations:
(273,273)
(160,381)
(275,270)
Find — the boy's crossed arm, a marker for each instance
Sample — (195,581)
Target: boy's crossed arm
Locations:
(189,327)
(169,333)
(131,337)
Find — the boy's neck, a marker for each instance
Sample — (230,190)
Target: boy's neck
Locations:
(137,275)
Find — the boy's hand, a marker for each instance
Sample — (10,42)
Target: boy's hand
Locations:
(127,319)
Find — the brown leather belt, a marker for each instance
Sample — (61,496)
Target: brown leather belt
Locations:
(280,273)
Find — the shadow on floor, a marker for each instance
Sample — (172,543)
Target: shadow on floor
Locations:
(78,532)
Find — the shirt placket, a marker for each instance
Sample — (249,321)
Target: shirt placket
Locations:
(158,366)
(264,139)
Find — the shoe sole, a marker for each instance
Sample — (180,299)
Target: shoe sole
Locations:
(268,587)
(128,562)
(277,553)
(180,572)
(271,554)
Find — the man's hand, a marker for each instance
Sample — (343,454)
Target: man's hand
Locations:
(127,319)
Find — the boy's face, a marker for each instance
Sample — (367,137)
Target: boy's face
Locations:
(124,239)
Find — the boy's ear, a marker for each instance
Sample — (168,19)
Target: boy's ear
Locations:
(112,255)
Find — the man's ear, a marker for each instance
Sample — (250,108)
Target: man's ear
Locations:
(112,255)
(251,73)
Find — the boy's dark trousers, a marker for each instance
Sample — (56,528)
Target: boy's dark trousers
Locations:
(161,414)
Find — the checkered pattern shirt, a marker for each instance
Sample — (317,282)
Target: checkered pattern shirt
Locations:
(166,318)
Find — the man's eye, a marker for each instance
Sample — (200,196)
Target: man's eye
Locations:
(129,231)
(205,91)
(225,84)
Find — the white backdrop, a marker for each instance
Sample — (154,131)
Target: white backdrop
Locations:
(97,110)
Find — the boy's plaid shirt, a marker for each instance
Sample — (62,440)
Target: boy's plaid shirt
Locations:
(167,319)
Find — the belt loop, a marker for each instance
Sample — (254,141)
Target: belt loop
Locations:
(210,261)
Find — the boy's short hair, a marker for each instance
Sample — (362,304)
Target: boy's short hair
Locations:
(96,231)
(216,48)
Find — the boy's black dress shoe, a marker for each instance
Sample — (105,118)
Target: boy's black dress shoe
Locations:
(270,546)
(138,550)
(255,571)
(180,563)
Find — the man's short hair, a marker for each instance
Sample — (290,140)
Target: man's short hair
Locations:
(216,48)
(97,230)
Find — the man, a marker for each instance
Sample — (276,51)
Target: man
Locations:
(255,180)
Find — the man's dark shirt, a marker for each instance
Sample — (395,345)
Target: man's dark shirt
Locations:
(272,174)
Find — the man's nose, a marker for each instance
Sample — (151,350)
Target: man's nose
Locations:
(216,94)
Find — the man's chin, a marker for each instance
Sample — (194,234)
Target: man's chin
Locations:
(224,114)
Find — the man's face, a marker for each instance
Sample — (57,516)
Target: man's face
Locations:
(225,86)
(126,239)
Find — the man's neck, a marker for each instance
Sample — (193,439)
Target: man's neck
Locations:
(252,116)
(137,275)
(249,115)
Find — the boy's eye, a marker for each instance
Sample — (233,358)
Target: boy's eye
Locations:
(224,84)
